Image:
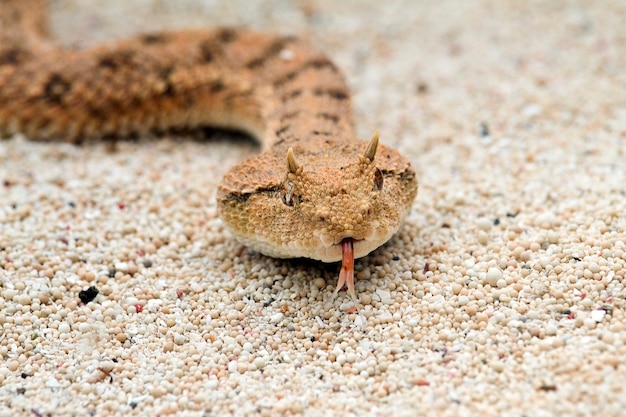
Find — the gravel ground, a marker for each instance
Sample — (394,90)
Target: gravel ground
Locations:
(503,294)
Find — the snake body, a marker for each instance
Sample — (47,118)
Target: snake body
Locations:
(314,191)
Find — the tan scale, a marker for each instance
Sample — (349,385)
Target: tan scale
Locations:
(315,191)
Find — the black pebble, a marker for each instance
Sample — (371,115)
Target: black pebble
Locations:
(88,295)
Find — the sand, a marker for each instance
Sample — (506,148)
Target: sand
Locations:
(502,295)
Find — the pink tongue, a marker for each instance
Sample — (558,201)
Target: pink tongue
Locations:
(346,275)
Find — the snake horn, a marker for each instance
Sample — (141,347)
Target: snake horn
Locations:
(292,166)
(370,152)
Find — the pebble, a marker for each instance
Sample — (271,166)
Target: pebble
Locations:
(598,315)
(179,339)
(259,363)
(493,276)
(319,283)
(384,296)
(13,365)
(484,223)
(276,318)
(365,298)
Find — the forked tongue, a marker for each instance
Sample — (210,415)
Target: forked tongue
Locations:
(346,275)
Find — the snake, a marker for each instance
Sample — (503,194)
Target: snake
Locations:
(313,191)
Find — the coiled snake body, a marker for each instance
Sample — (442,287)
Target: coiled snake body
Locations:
(315,191)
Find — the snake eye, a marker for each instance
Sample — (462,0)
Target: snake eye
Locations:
(287,197)
(378,179)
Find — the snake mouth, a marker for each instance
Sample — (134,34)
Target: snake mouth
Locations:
(329,251)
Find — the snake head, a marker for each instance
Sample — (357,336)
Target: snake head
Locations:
(326,194)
